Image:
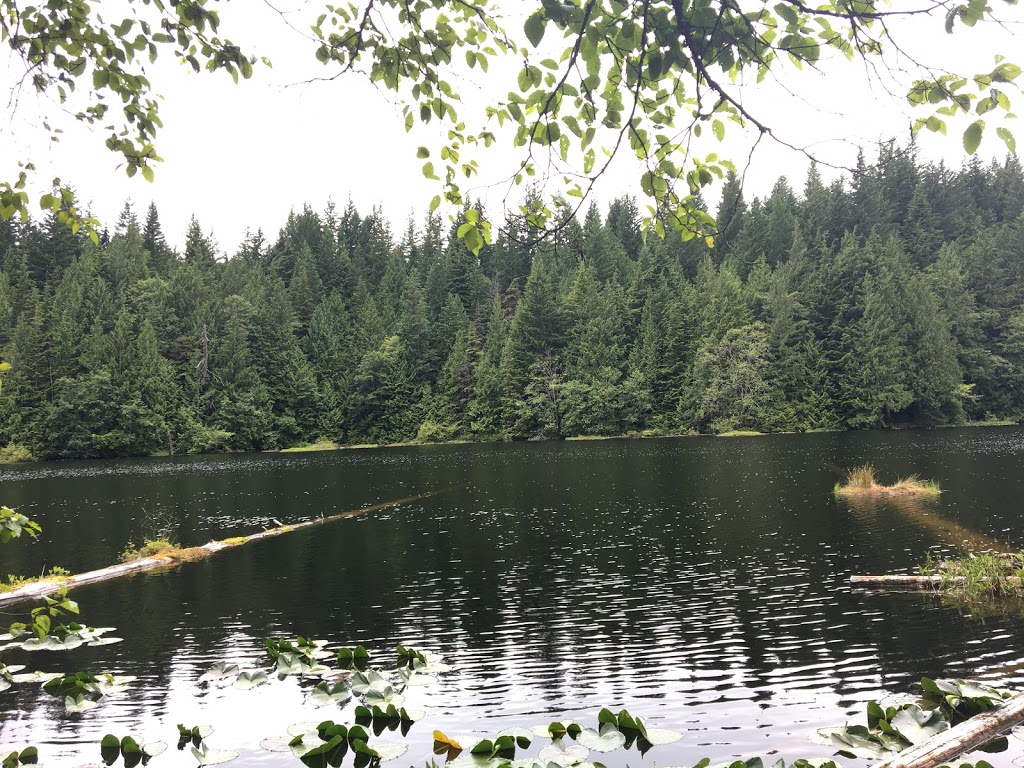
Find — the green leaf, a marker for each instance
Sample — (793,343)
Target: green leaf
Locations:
(422,153)
(972,136)
(1008,138)
(534,28)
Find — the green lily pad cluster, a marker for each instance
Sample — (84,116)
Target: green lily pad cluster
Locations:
(129,750)
(892,729)
(82,691)
(27,756)
(354,658)
(571,743)
(327,743)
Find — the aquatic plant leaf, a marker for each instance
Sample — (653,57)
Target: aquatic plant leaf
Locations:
(35,677)
(659,736)
(5,684)
(522,736)
(564,753)
(52,643)
(105,641)
(411,677)
(607,739)
(78,703)
(433,666)
(383,697)
(154,748)
(362,682)
(277,744)
(248,680)
(207,756)
(1018,732)
(857,741)
(222,670)
(823,736)
(302,729)
(556,729)
(325,693)
(915,725)
(107,683)
(470,760)
(387,752)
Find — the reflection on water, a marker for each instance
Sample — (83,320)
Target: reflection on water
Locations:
(699,582)
(924,512)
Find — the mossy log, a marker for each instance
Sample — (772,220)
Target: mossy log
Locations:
(174,557)
(899,582)
(966,737)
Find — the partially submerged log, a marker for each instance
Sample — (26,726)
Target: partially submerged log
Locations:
(899,582)
(174,557)
(904,583)
(970,735)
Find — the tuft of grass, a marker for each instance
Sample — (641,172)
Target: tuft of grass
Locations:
(740,433)
(148,548)
(57,573)
(862,481)
(980,579)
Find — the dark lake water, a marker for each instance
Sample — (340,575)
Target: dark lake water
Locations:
(699,582)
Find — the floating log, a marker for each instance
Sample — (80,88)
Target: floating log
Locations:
(900,582)
(970,735)
(174,557)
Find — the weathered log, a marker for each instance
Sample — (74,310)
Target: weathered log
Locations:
(898,582)
(172,558)
(969,735)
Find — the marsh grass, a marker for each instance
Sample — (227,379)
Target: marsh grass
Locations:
(861,481)
(986,582)
(740,433)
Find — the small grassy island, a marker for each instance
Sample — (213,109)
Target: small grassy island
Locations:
(861,481)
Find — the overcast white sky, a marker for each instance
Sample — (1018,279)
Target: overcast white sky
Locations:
(240,157)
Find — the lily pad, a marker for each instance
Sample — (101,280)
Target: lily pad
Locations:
(277,744)
(564,753)
(52,643)
(522,736)
(390,751)
(250,679)
(325,693)
(915,725)
(154,748)
(79,703)
(35,677)
(302,729)
(607,739)
(105,641)
(659,736)
(222,670)
(207,756)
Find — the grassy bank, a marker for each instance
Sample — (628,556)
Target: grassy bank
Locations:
(861,481)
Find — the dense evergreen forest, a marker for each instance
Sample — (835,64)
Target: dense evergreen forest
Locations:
(893,298)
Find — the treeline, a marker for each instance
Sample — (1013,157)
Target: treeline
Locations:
(894,298)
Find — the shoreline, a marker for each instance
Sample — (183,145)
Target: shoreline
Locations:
(646,435)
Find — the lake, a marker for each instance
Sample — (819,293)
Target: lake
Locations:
(699,582)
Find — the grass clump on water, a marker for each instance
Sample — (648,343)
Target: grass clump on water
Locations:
(861,481)
(979,577)
(148,548)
